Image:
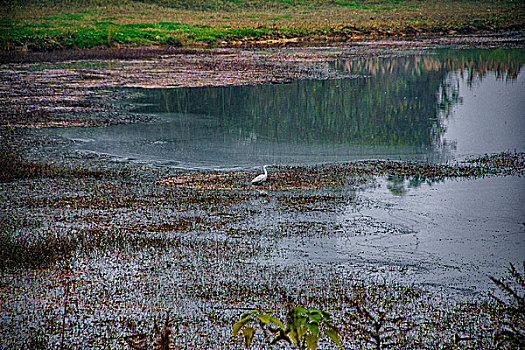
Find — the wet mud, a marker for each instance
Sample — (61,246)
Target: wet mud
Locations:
(120,250)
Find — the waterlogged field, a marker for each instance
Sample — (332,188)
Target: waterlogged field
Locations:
(395,191)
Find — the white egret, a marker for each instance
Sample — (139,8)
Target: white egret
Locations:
(260,178)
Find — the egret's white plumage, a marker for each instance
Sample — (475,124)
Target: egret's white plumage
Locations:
(260,178)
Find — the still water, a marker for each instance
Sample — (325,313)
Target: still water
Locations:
(448,236)
(435,106)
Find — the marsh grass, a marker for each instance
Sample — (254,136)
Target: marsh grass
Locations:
(13,166)
(156,339)
(511,309)
(380,316)
(33,251)
(390,316)
(25,242)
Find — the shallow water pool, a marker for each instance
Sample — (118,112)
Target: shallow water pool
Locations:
(451,235)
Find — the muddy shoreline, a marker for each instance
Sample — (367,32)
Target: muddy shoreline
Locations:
(95,251)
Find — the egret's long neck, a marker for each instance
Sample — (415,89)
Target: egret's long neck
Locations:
(265,171)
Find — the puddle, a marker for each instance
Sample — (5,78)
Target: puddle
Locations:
(434,106)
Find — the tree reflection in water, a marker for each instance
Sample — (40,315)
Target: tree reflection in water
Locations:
(397,104)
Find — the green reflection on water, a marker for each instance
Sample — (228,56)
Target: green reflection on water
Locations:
(399,101)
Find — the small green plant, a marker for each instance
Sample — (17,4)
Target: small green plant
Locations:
(279,17)
(511,333)
(65,17)
(303,327)
(353,4)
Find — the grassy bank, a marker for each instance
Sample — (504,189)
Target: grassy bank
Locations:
(48,25)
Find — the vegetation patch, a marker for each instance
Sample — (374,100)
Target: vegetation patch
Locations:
(34,250)
(183,224)
(14,167)
(36,26)
(510,309)
(354,5)
(351,174)
(303,327)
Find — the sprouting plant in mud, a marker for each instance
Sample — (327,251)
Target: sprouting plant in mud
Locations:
(303,327)
(511,333)
(377,326)
(158,339)
(379,317)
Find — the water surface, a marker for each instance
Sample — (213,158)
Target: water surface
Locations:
(451,235)
(434,106)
